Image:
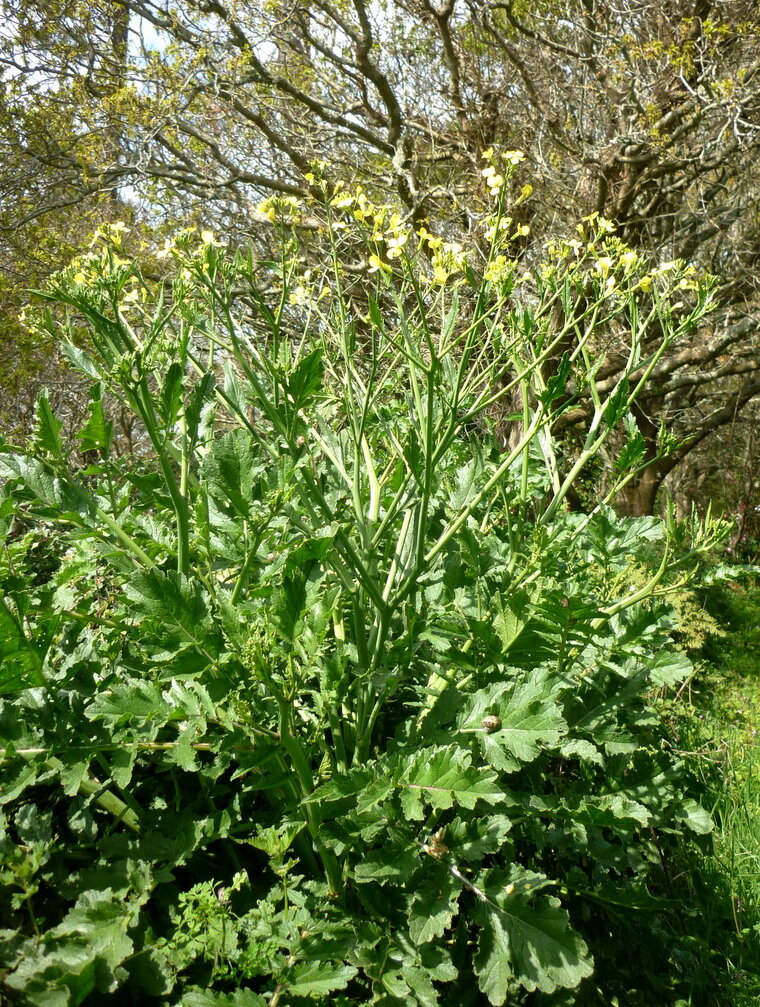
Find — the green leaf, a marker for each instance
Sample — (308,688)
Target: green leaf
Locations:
(345,785)
(182,753)
(578,748)
(442,777)
(97,433)
(20,662)
(375,791)
(529,722)
(466,484)
(557,383)
(396,864)
(305,379)
(475,839)
(668,667)
(231,470)
(434,904)
(74,770)
(81,361)
(201,394)
(208,998)
(617,407)
(171,394)
(129,700)
(316,979)
(47,427)
(14,785)
(420,985)
(66,497)
(528,945)
(634,449)
(103,918)
(276,842)
(694,817)
(511,618)
(606,810)
(171,598)
(290,605)
(81,953)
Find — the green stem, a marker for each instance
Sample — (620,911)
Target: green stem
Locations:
(454,526)
(125,539)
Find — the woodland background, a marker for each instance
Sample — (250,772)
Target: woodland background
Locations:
(330,332)
(166,115)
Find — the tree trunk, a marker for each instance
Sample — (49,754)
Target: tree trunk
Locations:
(638,498)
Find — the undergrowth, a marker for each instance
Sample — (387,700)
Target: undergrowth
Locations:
(716,724)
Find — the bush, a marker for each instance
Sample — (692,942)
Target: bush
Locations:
(322,694)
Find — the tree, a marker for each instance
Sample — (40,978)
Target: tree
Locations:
(61,150)
(645,114)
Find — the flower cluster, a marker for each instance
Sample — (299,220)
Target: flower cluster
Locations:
(495,174)
(600,255)
(105,267)
(287,210)
(448,257)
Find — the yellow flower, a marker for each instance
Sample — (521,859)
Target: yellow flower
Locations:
(497,231)
(513,157)
(430,239)
(665,267)
(603,265)
(498,269)
(376,263)
(629,259)
(341,200)
(266,208)
(525,192)
(395,245)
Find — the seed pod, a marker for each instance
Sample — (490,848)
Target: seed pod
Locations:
(491,724)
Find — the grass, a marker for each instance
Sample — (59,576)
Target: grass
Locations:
(718,723)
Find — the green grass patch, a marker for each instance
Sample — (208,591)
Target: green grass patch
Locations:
(718,726)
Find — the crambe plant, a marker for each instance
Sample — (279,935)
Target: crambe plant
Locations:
(324,694)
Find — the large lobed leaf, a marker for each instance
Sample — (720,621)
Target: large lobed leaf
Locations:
(529,720)
(524,942)
(441,778)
